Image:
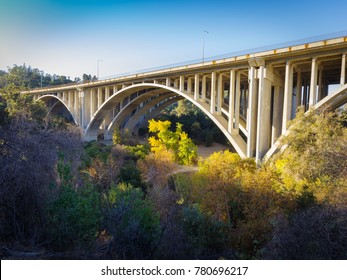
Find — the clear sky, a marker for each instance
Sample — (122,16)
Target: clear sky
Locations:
(67,37)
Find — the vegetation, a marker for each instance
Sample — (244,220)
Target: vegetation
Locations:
(183,148)
(62,198)
(194,122)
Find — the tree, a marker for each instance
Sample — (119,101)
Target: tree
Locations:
(183,148)
(21,104)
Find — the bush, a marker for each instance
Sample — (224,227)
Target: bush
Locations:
(132,223)
(74,215)
(129,174)
(206,237)
(318,232)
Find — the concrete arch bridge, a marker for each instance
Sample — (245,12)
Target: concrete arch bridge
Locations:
(250,95)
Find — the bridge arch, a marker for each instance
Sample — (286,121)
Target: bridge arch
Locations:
(55,106)
(109,104)
(157,104)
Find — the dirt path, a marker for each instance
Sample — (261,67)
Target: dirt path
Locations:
(205,152)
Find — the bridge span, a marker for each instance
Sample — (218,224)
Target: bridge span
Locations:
(251,96)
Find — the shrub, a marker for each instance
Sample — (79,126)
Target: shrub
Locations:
(318,232)
(74,215)
(132,223)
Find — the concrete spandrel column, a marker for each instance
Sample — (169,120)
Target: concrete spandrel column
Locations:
(343,70)
(196,86)
(252,113)
(288,95)
(168,82)
(86,106)
(92,103)
(219,93)
(81,108)
(313,82)
(107,93)
(69,101)
(99,97)
(237,100)
(76,105)
(231,101)
(298,89)
(182,83)
(320,80)
(277,114)
(115,89)
(189,85)
(213,93)
(203,93)
(263,141)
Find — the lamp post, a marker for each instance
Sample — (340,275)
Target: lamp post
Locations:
(98,61)
(203,45)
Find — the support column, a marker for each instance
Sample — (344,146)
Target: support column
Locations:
(298,89)
(203,94)
(115,89)
(76,105)
(176,83)
(107,93)
(99,97)
(277,114)
(231,101)
(189,85)
(343,70)
(213,93)
(86,107)
(244,109)
(252,113)
(325,89)
(305,95)
(219,93)
(288,94)
(320,80)
(313,83)
(263,122)
(168,82)
(81,108)
(237,101)
(71,101)
(196,86)
(92,103)
(182,83)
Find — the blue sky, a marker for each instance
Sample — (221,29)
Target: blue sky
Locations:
(67,37)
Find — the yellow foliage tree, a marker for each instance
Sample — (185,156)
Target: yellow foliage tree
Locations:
(178,142)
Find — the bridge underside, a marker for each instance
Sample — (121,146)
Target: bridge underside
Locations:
(251,99)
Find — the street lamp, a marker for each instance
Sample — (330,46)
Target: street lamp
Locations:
(98,67)
(203,45)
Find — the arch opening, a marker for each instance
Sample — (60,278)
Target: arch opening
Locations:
(58,107)
(99,117)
